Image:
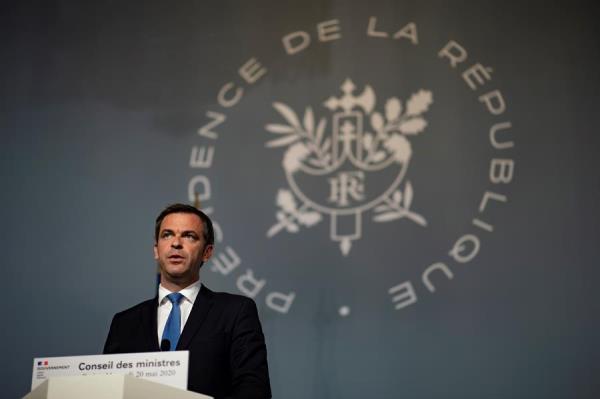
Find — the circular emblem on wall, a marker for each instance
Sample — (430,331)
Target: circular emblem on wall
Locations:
(346,157)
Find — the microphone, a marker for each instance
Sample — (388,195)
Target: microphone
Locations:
(165,345)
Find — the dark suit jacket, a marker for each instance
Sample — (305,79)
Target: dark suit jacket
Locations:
(228,356)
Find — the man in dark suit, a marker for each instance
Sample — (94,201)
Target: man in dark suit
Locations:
(228,357)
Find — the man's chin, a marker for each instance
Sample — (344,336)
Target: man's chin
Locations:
(179,278)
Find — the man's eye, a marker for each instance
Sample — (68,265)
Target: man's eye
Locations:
(166,234)
(190,237)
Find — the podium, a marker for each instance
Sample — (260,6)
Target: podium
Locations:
(107,387)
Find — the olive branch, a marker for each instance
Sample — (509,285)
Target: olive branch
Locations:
(308,133)
(289,216)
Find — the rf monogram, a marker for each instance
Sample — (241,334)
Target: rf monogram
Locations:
(347,185)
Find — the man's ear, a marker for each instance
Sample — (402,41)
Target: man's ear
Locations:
(208,251)
(155,252)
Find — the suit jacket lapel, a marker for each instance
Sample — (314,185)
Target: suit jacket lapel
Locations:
(202,305)
(149,323)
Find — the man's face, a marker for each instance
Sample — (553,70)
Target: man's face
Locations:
(180,249)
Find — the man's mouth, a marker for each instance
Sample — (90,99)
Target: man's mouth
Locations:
(175,258)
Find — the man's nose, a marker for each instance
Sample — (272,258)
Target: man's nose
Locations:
(176,243)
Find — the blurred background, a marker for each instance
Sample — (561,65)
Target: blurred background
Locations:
(407,189)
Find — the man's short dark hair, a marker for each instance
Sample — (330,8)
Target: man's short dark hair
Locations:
(207,231)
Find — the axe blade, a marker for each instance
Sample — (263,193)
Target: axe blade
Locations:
(367,99)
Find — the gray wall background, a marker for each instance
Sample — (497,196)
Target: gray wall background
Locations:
(100,107)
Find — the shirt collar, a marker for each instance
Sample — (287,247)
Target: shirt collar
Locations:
(189,293)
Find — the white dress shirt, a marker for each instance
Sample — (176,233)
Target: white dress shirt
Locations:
(185,305)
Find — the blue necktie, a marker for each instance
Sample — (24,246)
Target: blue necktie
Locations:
(173,326)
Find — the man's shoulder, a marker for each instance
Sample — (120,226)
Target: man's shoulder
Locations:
(221,299)
(229,303)
(136,309)
(226,298)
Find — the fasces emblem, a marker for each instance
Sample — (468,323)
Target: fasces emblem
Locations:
(351,164)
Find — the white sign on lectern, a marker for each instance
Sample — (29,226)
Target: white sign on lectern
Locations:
(168,368)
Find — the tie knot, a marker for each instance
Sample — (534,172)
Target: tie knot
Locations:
(175,297)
